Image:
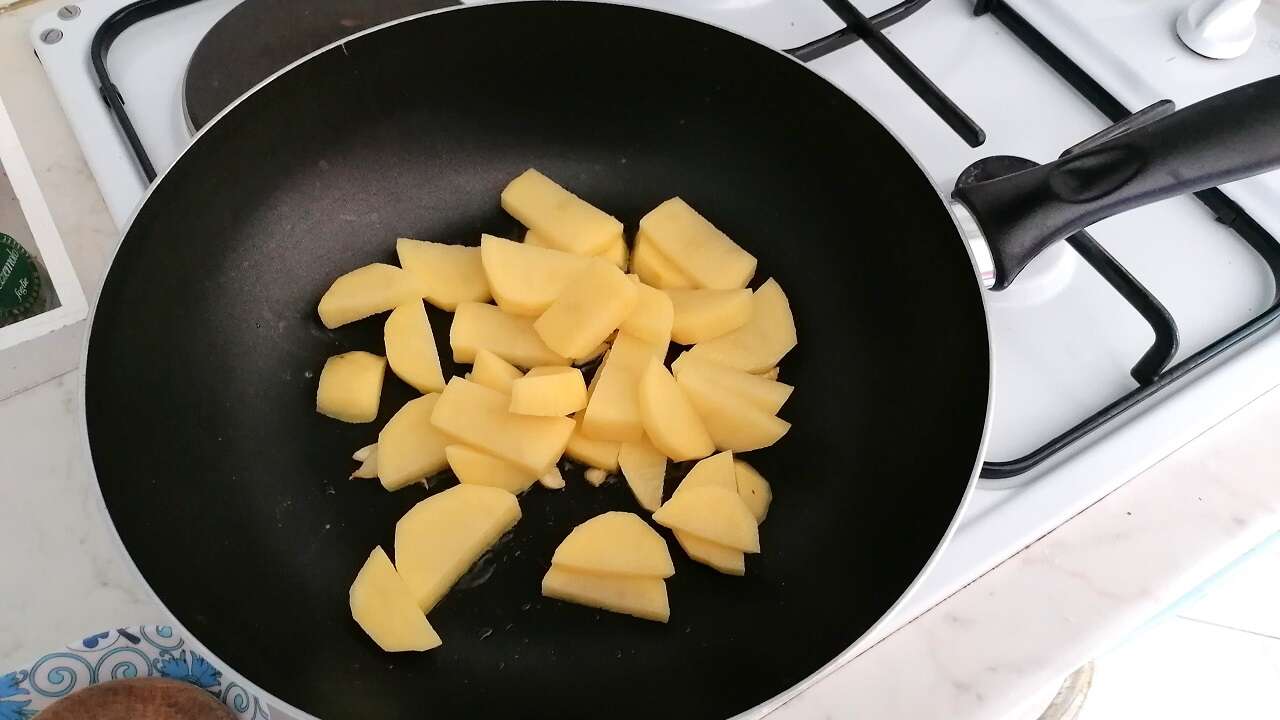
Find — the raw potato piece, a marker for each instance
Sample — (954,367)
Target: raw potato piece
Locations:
(593,305)
(615,252)
(613,412)
(478,416)
(552,479)
(474,467)
(753,489)
(442,536)
(493,372)
(670,421)
(651,319)
(642,597)
(645,470)
(698,248)
(367,456)
(715,471)
(725,559)
(654,269)
(563,219)
(596,453)
(350,386)
(704,314)
(446,274)
(551,392)
(411,348)
(770,374)
(766,394)
(733,423)
(713,514)
(366,291)
(615,543)
(409,448)
(761,343)
(595,476)
(527,278)
(511,337)
(383,606)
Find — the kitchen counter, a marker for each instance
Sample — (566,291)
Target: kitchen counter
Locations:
(1013,633)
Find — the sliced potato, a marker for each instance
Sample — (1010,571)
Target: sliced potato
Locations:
(654,269)
(367,456)
(714,514)
(595,476)
(384,607)
(613,412)
(511,337)
(715,471)
(669,420)
(703,314)
(350,386)
(725,559)
(635,595)
(596,453)
(446,274)
(566,221)
(770,374)
(645,470)
(733,423)
(593,305)
(768,395)
(761,343)
(442,536)
(549,391)
(651,318)
(527,278)
(616,543)
(552,479)
(411,348)
(701,251)
(478,416)
(366,291)
(753,489)
(409,447)
(475,467)
(493,372)
(617,253)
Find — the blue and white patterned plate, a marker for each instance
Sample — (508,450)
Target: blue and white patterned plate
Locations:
(128,652)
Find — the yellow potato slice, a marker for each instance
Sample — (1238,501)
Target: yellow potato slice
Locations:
(552,479)
(409,447)
(700,250)
(654,269)
(446,274)
(566,221)
(594,303)
(602,454)
(595,476)
(770,374)
(669,420)
(753,489)
(733,423)
(350,386)
(440,537)
(475,467)
(711,513)
(768,395)
(645,470)
(411,348)
(617,253)
(613,412)
(549,391)
(383,606)
(511,337)
(761,343)
(475,415)
(527,278)
(703,314)
(715,471)
(366,291)
(493,372)
(651,318)
(367,456)
(725,559)
(615,543)
(638,596)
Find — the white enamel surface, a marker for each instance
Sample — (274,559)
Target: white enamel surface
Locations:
(1222,29)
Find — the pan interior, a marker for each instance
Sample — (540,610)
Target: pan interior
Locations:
(230,492)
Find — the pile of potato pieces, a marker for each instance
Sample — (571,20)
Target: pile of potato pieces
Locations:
(561,300)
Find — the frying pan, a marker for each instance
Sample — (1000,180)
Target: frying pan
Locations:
(229,491)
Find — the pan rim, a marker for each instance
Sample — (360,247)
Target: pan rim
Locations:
(856,648)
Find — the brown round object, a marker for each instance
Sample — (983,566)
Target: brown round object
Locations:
(139,699)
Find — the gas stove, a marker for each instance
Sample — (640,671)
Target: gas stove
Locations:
(1109,353)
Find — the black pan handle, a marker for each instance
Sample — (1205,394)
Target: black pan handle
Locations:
(1215,141)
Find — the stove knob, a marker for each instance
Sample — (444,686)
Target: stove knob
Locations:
(1221,29)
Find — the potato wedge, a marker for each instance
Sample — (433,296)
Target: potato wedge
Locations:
(763,341)
(670,421)
(725,559)
(409,447)
(350,386)
(714,514)
(645,470)
(526,278)
(565,220)
(635,595)
(654,269)
(549,391)
(651,318)
(384,607)
(615,543)
(613,411)
(753,489)
(475,467)
(366,291)
(478,416)
(733,423)
(593,305)
(511,337)
(411,348)
(493,372)
(446,274)
(767,395)
(704,314)
(700,250)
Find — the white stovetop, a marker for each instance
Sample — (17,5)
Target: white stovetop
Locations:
(980,653)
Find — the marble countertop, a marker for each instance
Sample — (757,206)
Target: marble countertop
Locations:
(1006,637)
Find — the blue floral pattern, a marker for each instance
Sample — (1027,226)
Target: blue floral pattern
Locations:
(142,651)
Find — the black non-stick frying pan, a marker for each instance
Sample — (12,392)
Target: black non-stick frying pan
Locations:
(230,492)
